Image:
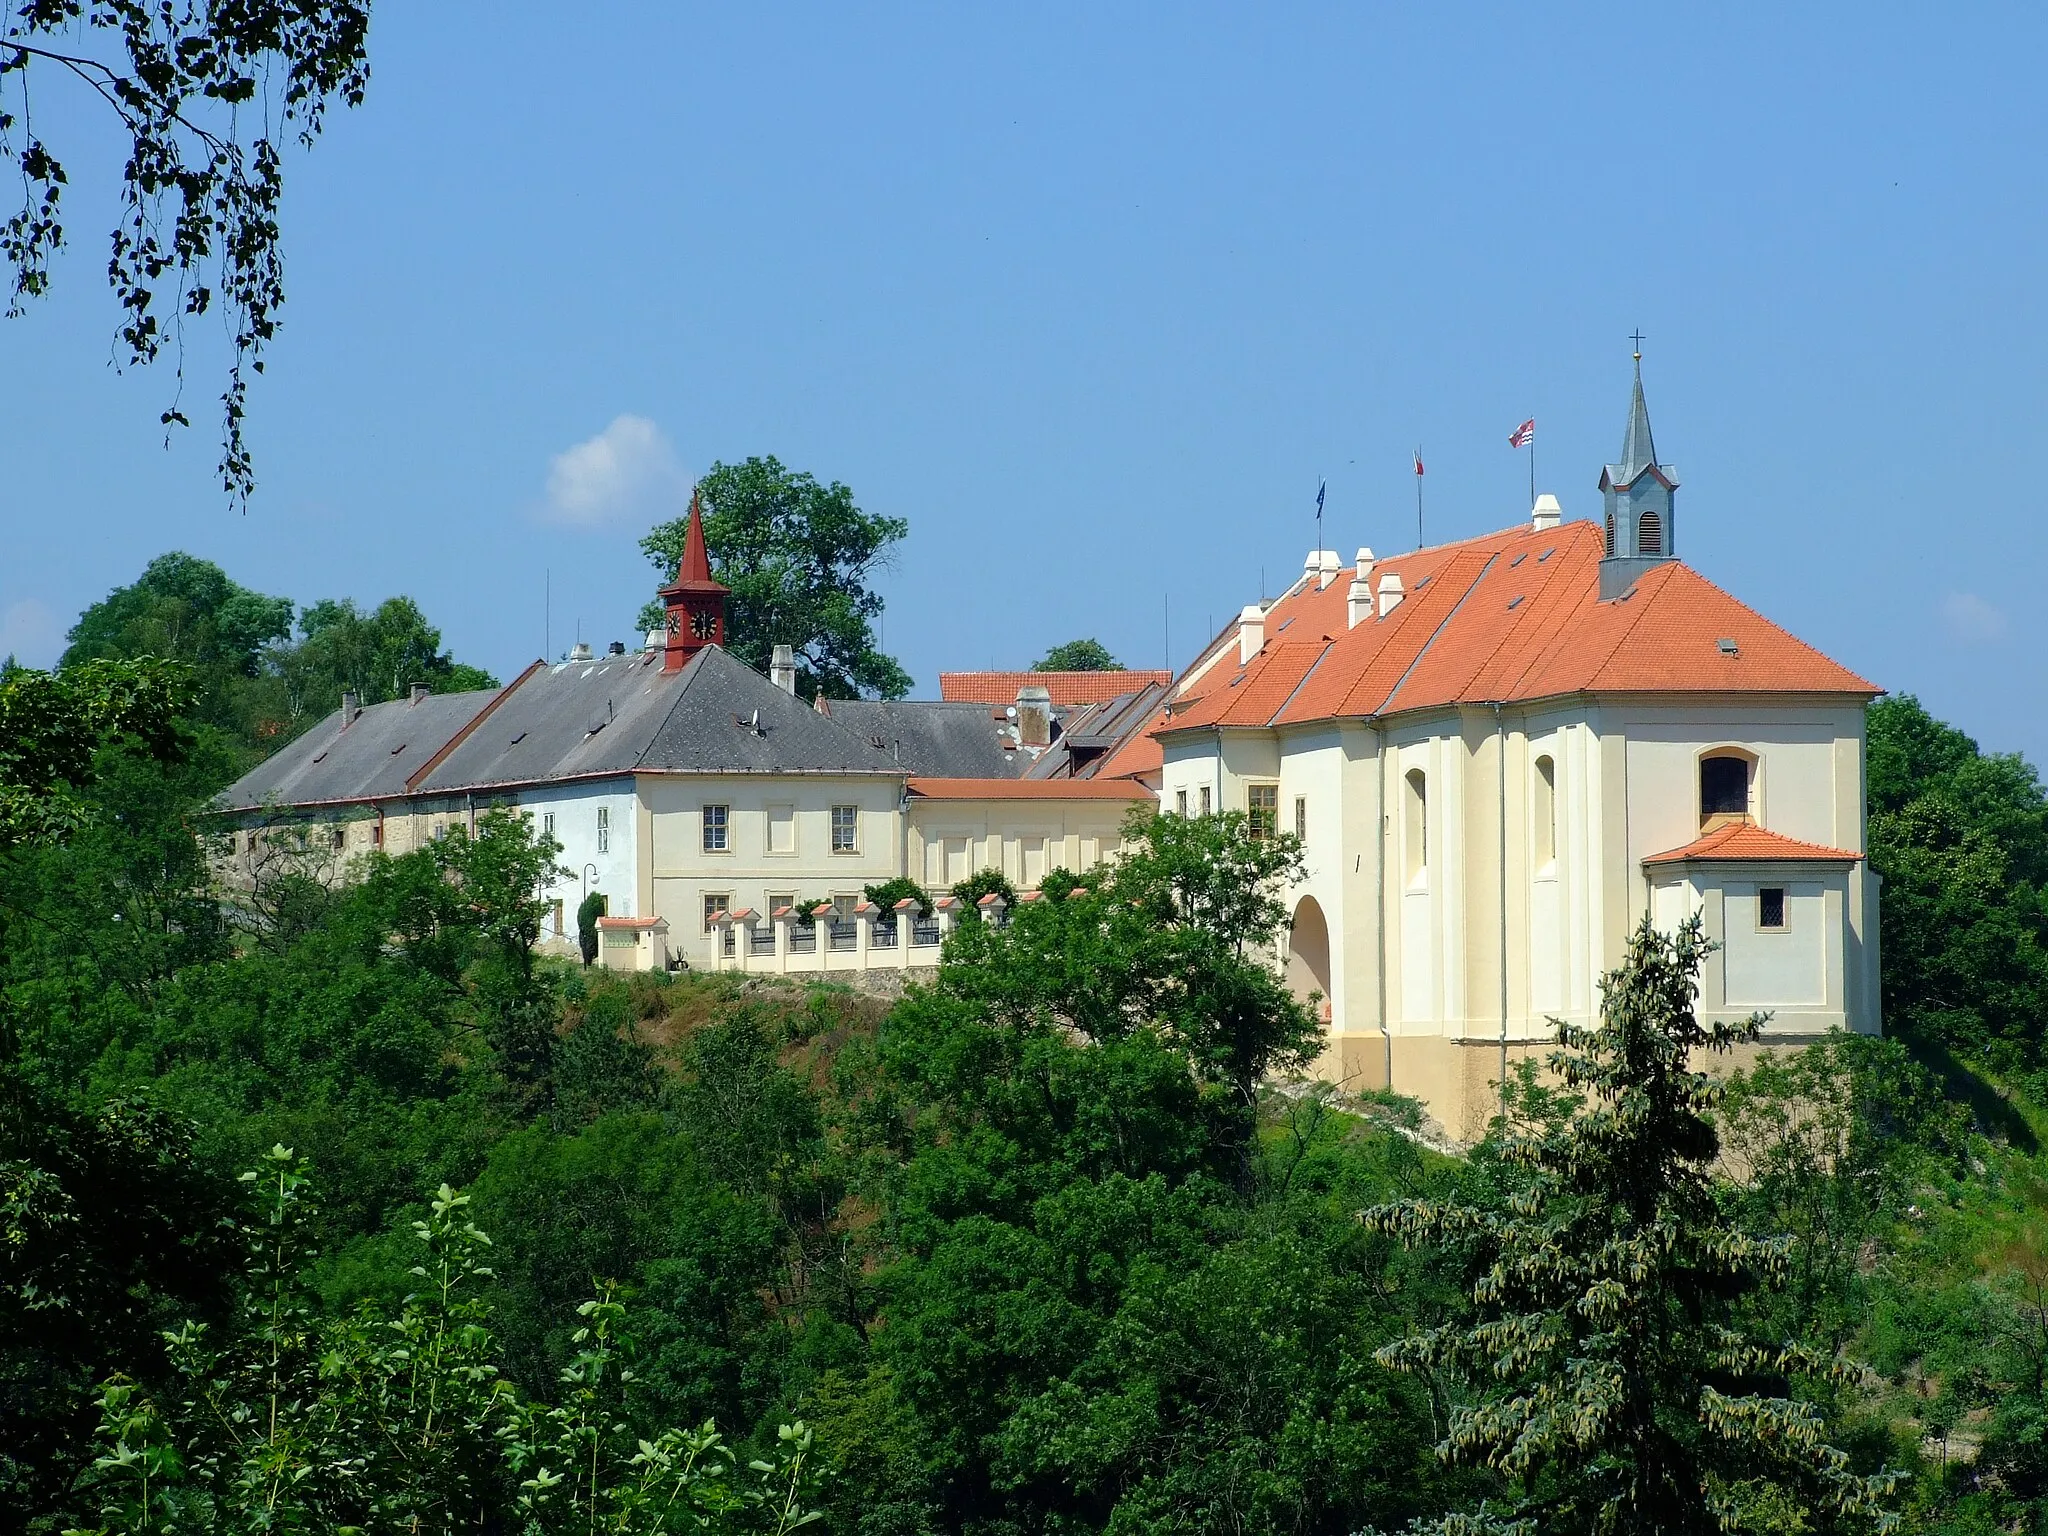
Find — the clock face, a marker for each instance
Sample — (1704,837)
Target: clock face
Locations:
(674,624)
(702,625)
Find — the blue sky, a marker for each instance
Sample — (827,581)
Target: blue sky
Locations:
(1094,296)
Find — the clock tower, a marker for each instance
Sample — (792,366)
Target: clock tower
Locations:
(695,603)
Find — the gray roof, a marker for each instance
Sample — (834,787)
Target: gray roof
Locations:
(370,760)
(933,738)
(1638,448)
(620,714)
(1091,735)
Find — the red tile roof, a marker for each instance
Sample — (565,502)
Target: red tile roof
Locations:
(1740,841)
(1067,688)
(1029,789)
(1508,617)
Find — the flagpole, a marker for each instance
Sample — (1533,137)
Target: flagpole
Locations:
(1532,471)
(1418,498)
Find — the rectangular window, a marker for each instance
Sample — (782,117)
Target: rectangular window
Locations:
(1262,809)
(339,837)
(1180,803)
(1770,907)
(845,829)
(715,902)
(377,834)
(777,902)
(547,823)
(1206,805)
(717,828)
(1301,817)
(555,917)
(782,829)
(604,829)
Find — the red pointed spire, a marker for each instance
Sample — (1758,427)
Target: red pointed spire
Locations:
(695,570)
(695,603)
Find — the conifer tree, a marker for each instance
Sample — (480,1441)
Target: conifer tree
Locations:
(1606,1381)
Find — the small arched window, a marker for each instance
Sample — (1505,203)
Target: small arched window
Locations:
(1724,789)
(1610,534)
(1649,534)
(1416,826)
(1543,814)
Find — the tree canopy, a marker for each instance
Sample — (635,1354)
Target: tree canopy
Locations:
(209,97)
(799,557)
(253,677)
(1078,656)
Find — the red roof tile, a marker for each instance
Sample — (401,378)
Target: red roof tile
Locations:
(1509,617)
(1740,841)
(1029,789)
(1067,688)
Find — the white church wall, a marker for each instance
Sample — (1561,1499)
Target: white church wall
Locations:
(1775,968)
(597,823)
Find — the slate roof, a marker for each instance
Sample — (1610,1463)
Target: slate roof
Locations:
(933,736)
(625,714)
(1029,789)
(1512,617)
(574,720)
(371,760)
(1106,740)
(1067,688)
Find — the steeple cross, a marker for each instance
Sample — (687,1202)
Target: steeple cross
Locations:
(1637,338)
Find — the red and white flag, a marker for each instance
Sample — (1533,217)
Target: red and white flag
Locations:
(1523,435)
(1418,461)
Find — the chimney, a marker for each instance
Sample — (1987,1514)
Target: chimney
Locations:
(351,706)
(782,669)
(1358,600)
(580,651)
(1547,513)
(1391,592)
(616,648)
(419,692)
(657,639)
(1328,564)
(1034,717)
(1251,632)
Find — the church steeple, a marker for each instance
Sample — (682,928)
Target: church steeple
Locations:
(1641,528)
(695,603)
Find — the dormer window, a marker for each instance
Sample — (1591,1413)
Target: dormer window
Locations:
(1725,782)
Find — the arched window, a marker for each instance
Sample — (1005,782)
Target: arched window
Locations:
(1416,826)
(1649,534)
(1725,781)
(1610,534)
(1543,814)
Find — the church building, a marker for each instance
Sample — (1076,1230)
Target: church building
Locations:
(1501,753)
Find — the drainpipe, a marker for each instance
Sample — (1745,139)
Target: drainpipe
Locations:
(1379,891)
(1218,806)
(1501,766)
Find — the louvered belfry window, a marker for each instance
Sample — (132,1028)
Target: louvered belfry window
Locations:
(1649,534)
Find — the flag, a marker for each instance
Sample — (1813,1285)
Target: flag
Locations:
(1523,435)
(1321,486)
(1418,461)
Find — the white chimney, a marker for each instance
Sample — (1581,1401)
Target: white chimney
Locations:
(419,693)
(351,706)
(657,639)
(1251,632)
(1358,601)
(580,651)
(1328,564)
(1547,513)
(1391,592)
(782,669)
(1034,717)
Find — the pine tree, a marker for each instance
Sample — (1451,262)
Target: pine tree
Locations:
(1605,1381)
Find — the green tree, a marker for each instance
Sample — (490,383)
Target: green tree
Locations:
(798,556)
(588,911)
(377,655)
(1961,839)
(1607,1380)
(207,98)
(1078,656)
(54,728)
